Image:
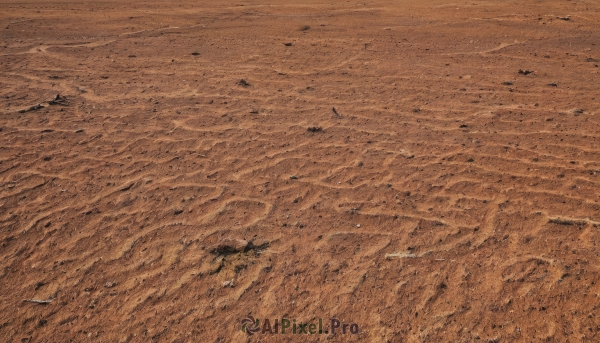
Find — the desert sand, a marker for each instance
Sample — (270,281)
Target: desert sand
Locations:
(154,196)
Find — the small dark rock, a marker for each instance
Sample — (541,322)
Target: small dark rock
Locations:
(525,72)
(508,83)
(57,100)
(577,111)
(287,44)
(243,83)
(229,245)
(195,53)
(315,129)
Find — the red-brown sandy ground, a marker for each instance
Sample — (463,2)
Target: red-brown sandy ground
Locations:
(450,199)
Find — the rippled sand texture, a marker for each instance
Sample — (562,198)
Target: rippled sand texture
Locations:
(450,197)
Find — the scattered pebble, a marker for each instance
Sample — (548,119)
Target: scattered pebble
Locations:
(229,245)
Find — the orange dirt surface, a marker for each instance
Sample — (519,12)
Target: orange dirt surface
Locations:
(452,196)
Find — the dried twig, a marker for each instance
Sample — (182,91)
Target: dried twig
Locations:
(336,112)
(36,301)
(32,108)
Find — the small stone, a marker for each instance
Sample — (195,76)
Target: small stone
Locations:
(110,284)
(229,245)
(228,283)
